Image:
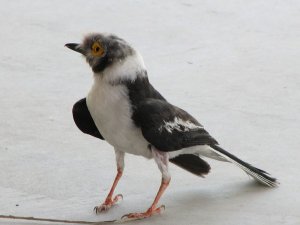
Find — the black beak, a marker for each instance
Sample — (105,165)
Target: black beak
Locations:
(75,47)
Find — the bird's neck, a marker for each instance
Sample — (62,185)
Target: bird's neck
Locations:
(125,70)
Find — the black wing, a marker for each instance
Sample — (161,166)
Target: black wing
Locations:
(169,128)
(192,163)
(84,120)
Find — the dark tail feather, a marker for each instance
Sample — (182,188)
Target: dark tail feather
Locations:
(192,163)
(258,174)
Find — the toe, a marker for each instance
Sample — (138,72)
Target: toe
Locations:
(102,208)
(108,204)
(117,198)
(150,212)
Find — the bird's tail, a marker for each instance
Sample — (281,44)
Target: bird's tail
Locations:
(258,174)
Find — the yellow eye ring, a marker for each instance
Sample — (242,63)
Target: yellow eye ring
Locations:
(97,49)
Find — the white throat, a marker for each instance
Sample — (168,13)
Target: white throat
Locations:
(126,69)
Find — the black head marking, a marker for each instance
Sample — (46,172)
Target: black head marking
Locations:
(115,50)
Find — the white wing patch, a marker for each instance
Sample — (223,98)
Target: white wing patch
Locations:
(179,125)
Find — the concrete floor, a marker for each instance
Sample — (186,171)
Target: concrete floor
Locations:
(232,64)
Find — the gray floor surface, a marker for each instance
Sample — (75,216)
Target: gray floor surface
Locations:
(232,64)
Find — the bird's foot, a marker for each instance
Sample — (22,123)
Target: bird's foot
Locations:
(137,216)
(109,202)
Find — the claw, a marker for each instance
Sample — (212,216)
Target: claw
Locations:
(137,216)
(108,204)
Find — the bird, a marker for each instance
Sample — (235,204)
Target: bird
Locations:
(124,109)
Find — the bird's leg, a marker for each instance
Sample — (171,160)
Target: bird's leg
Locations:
(110,201)
(162,159)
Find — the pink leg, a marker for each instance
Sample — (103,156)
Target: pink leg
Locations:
(110,201)
(162,159)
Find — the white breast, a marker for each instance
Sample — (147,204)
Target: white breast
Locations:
(110,108)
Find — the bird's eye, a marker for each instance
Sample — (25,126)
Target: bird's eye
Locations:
(97,49)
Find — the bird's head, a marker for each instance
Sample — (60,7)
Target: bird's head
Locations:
(103,51)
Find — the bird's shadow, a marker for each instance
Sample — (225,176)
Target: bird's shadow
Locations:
(203,197)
